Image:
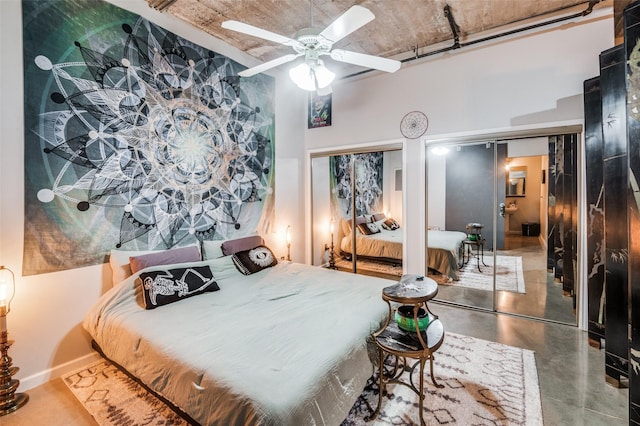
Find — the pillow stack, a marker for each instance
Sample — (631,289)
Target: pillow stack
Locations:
(167,276)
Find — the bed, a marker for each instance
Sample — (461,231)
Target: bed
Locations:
(385,244)
(220,355)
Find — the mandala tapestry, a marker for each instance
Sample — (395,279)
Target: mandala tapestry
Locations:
(367,169)
(135,138)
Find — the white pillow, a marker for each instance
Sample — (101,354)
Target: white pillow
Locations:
(212,249)
(119,262)
(223,269)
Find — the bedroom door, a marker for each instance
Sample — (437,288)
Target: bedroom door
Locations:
(461,221)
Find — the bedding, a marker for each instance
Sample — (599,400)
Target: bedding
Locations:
(383,245)
(219,356)
(445,252)
(444,248)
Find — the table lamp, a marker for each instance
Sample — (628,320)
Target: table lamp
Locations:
(332,256)
(10,401)
(288,237)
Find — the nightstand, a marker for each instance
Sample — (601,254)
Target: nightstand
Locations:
(420,345)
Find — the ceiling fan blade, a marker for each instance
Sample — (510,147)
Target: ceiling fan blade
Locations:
(347,23)
(369,61)
(268,65)
(241,27)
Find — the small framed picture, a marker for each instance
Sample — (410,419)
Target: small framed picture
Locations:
(319,111)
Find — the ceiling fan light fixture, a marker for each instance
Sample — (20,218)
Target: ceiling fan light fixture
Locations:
(312,76)
(324,76)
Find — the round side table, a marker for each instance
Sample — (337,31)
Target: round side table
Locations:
(391,340)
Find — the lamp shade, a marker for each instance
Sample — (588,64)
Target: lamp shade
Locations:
(7,288)
(311,77)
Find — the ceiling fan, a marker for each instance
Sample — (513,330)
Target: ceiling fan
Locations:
(312,43)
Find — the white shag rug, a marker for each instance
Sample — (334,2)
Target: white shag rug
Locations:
(509,275)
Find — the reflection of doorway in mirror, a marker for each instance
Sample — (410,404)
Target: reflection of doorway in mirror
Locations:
(523,192)
(524,240)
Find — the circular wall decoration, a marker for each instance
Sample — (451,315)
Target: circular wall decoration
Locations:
(414,124)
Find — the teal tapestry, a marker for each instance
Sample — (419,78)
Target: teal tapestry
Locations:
(367,169)
(135,138)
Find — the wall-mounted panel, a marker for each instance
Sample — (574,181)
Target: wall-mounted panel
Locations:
(616,177)
(632,47)
(595,210)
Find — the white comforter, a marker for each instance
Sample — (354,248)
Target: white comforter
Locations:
(284,346)
(385,244)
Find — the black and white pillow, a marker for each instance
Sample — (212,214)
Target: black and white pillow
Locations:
(164,286)
(368,228)
(254,260)
(390,224)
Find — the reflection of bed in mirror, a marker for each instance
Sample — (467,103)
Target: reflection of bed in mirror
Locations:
(385,244)
(445,252)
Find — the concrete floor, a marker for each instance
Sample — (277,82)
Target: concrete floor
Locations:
(571,373)
(544,297)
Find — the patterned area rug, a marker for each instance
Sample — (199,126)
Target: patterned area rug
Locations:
(509,276)
(113,398)
(485,383)
(371,266)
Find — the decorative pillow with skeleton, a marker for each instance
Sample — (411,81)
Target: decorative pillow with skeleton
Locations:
(255,260)
(164,286)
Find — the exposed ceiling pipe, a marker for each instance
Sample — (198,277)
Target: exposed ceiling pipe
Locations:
(456,41)
(160,5)
(455,28)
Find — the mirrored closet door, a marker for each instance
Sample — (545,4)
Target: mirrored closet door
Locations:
(461,233)
(357,211)
(521,196)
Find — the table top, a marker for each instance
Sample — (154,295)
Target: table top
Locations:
(411,289)
(475,226)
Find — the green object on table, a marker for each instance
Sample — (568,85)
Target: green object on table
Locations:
(404,318)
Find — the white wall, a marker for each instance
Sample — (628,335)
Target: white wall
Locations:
(437,196)
(392,199)
(322,214)
(46,315)
(532,80)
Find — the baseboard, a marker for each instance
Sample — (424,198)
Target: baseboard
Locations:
(57,371)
